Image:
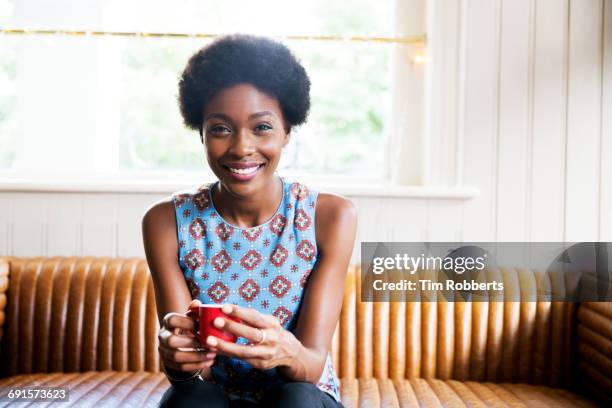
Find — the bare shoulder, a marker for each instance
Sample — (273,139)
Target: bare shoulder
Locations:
(160,212)
(159,225)
(331,206)
(335,220)
(159,236)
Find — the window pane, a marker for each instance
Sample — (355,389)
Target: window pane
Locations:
(100,105)
(344,133)
(152,133)
(7,102)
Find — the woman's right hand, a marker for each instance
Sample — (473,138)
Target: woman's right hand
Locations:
(177,332)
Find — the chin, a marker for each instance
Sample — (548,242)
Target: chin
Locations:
(245,187)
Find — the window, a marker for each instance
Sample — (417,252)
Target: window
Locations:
(106,105)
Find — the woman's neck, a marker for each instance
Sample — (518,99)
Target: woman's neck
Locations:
(247,212)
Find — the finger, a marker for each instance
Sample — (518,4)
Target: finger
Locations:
(175,356)
(212,350)
(193,304)
(210,355)
(252,334)
(197,349)
(238,350)
(163,335)
(175,320)
(178,365)
(182,342)
(178,340)
(251,316)
(191,349)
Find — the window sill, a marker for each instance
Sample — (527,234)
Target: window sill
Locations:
(167,187)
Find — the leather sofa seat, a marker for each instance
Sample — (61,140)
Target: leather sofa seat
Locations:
(144,389)
(99,388)
(90,325)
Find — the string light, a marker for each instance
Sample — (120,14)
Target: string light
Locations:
(414,40)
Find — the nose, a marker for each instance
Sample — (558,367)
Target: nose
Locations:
(242,143)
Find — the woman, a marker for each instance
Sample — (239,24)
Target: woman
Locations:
(272,251)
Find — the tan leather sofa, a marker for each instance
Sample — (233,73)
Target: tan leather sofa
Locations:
(90,325)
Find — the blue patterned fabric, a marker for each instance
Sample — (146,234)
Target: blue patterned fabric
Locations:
(265,267)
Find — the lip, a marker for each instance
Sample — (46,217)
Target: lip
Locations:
(243,177)
(242,165)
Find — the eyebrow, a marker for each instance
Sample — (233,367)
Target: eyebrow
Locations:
(228,119)
(260,114)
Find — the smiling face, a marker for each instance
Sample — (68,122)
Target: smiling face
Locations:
(244,135)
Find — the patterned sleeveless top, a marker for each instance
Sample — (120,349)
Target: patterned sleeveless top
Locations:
(265,267)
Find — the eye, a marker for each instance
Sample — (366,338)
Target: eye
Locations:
(263,127)
(219,129)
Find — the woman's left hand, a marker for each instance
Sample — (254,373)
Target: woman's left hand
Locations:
(270,344)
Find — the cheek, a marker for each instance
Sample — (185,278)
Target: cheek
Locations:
(273,148)
(212,159)
(213,150)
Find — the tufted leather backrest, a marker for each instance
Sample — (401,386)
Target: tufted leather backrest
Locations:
(79,314)
(481,341)
(594,344)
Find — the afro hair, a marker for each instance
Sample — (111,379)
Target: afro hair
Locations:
(264,63)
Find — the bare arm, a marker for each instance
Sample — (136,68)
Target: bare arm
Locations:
(161,248)
(336,225)
(171,293)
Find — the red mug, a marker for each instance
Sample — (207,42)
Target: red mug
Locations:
(204,315)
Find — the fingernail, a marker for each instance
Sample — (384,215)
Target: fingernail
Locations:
(219,322)
(211,341)
(227,309)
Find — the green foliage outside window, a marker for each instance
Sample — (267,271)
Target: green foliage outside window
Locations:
(345,133)
(346,130)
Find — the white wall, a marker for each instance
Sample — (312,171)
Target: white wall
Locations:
(526,105)
(533,130)
(108,224)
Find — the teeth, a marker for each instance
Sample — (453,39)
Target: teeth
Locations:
(250,170)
